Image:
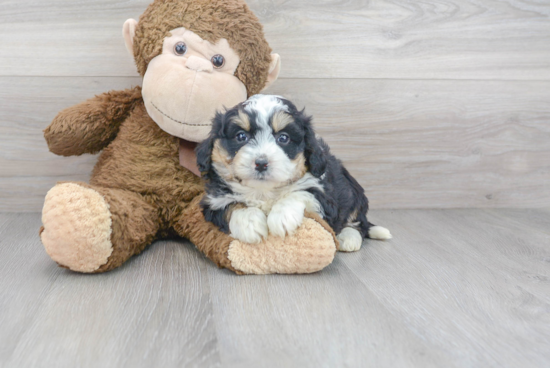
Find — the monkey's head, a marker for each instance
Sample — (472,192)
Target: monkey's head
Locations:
(197,57)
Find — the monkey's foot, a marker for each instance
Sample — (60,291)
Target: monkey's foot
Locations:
(76,227)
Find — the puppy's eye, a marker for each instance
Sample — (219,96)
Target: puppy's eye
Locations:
(180,48)
(218,61)
(241,137)
(283,138)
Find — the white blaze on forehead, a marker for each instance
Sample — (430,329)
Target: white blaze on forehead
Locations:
(264,106)
(264,144)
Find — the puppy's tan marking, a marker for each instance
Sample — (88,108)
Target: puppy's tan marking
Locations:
(301,168)
(221,157)
(242,120)
(352,220)
(280,120)
(352,217)
(219,154)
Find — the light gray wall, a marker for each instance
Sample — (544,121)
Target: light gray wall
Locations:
(430,104)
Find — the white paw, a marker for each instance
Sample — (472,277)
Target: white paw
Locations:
(350,240)
(285,219)
(379,233)
(248,225)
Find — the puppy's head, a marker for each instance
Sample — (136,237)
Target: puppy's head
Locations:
(262,142)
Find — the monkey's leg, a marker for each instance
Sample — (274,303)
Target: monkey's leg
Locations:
(310,249)
(92,229)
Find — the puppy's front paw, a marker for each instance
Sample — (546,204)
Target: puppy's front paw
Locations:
(285,219)
(248,225)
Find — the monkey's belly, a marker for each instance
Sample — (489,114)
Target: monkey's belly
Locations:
(144,159)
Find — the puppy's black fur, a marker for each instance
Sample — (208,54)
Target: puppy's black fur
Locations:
(343,200)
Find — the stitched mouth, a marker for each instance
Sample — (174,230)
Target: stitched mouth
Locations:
(175,120)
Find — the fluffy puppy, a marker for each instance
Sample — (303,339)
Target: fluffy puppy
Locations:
(264,167)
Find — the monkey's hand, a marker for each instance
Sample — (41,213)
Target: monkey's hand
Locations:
(91,125)
(248,225)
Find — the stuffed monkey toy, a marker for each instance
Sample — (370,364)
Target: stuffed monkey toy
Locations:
(195,57)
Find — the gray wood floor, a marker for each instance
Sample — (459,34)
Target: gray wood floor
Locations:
(454,288)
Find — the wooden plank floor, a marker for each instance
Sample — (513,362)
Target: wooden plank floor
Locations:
(454,288)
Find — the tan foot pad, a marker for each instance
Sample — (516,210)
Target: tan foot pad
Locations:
(77,227)
(310,249)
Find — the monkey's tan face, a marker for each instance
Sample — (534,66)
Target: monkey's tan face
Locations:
(191,80)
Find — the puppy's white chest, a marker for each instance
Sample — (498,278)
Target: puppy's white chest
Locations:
(265,198)
(298,200)
(261,200)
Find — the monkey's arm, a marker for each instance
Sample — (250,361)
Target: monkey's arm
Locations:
(309,249)
(91,125)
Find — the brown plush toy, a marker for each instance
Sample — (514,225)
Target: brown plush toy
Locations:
(195,56)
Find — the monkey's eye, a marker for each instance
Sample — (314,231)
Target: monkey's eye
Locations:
(180,48)
(241,137)
(283,138)
(218,61)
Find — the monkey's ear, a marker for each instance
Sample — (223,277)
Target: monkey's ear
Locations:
(274,70)
(128,32)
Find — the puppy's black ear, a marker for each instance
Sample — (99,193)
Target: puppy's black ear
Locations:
(204,149)
(316,157)
(204,152)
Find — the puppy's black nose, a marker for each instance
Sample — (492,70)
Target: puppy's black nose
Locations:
(261,165)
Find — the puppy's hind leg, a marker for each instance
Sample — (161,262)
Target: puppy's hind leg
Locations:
(350,240)
(372,231)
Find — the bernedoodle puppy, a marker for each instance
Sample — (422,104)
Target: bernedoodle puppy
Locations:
(264,167)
